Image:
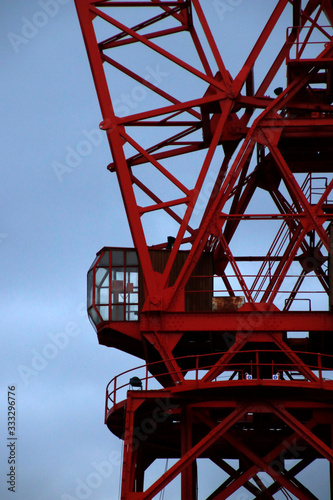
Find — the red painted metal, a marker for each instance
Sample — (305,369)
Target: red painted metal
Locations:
(231,169)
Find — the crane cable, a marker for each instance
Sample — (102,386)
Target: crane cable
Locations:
(286,493)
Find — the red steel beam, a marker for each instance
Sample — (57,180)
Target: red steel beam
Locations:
(194,453)
(303,432)
(259,464)
(254,321)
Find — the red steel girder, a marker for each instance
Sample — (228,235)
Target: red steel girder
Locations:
(253,321)
(193,453)
(299,443)
(260,464)
(224,95)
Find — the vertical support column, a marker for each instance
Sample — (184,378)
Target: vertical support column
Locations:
(139,471)
(330,267)
(126,485)
(130,449)
(189,475)
(331,467)
(297,6)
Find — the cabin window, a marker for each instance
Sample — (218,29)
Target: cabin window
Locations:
(113,286)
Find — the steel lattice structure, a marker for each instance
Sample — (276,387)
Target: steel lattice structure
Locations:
(232,315)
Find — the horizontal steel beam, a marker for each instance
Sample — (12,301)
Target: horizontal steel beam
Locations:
(249,321)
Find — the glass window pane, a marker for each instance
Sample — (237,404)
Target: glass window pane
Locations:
(118,273)
(131,258)
(102,295)
(132,277)
(117,285)
(117,298)
(132,313)
(102,276)
(132,298)
(104,312)
(117,257)
(89,288)
(117,313)
(105,260)
(94,316)
(92,323)
(95,260)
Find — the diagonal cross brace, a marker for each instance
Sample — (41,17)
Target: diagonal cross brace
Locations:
(194,453)
(259,464)
(303,431)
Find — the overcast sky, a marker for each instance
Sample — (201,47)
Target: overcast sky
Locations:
(59,207)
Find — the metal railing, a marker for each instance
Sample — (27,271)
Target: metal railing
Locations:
(318,366)
(303,40)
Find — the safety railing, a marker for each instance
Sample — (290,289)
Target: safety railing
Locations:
(311,290)
(307,41)
(284,366)
(314,187)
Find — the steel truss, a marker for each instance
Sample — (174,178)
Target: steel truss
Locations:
(217,430)
(243,173)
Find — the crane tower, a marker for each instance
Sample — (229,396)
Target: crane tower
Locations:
(226,295)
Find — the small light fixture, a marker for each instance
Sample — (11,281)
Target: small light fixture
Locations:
(170,243)
(135,382)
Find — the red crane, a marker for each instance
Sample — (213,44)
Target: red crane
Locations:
(231,313)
